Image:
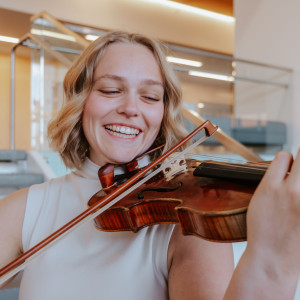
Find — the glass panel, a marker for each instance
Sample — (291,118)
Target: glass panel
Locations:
(262,106)
(47,76)
(21,115)
(56,39)
(249,101)
(208,89)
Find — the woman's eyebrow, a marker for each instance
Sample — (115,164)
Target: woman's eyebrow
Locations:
(152,82)
(110,76)
(122,79)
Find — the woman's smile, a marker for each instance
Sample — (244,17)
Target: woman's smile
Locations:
(122,131)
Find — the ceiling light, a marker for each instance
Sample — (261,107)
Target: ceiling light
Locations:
(211,76)
(91,37)
(56,35)
(9,39)
(192,9)
(182,61)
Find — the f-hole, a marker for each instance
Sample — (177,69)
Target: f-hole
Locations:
(160,190)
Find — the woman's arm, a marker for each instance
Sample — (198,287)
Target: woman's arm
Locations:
(198,269)
(12,209)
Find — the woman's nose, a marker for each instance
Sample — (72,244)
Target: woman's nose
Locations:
(129,106)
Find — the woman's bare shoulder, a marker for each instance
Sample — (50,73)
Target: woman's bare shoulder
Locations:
(12,210)
(14,202)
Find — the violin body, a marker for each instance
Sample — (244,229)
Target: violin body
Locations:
(211,208)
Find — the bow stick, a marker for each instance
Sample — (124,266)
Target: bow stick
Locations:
(127,187)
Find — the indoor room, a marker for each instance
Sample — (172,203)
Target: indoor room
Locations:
(233,67)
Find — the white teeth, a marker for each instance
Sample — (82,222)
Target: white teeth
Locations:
(127,130)
(122,131)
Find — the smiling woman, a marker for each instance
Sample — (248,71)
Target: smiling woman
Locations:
(122,99)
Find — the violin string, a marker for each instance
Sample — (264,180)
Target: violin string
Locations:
(249,165)
(224,159)
(220,157)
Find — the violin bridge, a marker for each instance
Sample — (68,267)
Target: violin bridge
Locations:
(172,169)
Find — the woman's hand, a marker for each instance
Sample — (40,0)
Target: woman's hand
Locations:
(273,219)
(270,265)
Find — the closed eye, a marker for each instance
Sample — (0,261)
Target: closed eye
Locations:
(109,92)
(152,98)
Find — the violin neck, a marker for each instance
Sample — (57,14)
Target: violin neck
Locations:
(230,171)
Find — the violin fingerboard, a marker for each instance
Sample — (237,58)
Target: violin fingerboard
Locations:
(229,171)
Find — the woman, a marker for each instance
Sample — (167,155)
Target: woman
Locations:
(122,99)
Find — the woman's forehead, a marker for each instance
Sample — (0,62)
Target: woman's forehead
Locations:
(124,59)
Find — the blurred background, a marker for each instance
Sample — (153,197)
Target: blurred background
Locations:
(237,62)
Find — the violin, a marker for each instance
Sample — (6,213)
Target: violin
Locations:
(208,199)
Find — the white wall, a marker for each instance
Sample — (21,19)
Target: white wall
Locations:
(268,31)
(156,20)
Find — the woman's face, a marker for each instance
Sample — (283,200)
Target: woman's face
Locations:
(124,110)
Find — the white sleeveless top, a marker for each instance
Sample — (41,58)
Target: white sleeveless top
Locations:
(88,263)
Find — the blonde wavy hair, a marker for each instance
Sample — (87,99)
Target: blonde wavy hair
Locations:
(65,130)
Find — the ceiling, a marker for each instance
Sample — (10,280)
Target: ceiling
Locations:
(219,6)
(17,24)
(13,24)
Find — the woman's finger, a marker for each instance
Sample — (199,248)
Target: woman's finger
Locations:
(294,174)
(279,168)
